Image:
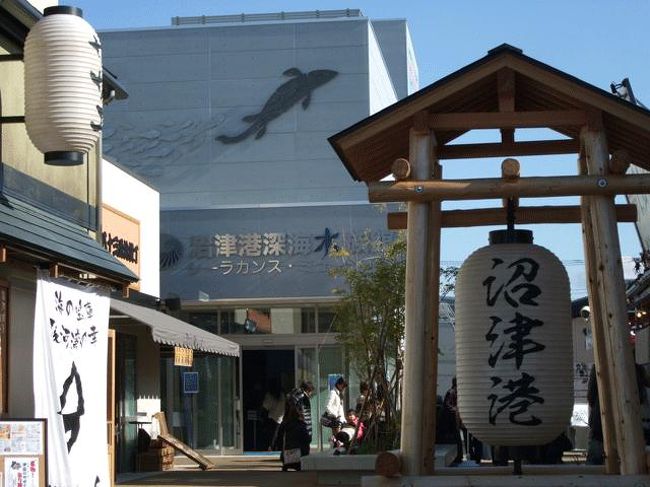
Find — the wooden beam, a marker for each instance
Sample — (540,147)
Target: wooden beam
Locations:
(506,93)
(619,162)
(510,170)
(401,169)
(388,463)
(531,148)
(497,120)
(3,254)
(402,112)
(491,188)
(525,215)
(55,271)
(613,312)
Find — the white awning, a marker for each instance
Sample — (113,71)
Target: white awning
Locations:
(168,330)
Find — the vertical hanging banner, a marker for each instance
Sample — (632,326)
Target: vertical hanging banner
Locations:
(70,371)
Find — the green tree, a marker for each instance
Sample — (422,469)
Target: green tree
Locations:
(370,319)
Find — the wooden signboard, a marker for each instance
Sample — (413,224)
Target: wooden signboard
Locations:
(185,449)
(23,453)
(121,237)
(183,357)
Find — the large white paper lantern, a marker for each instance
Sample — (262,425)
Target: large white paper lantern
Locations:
(514,342)
(63,86)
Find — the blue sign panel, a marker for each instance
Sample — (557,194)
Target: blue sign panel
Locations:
(190,382)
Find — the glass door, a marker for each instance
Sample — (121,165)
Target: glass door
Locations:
(126,403)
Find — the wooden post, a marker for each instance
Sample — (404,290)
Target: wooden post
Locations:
(613,310)
(430,385)
(417,306)
(598,337)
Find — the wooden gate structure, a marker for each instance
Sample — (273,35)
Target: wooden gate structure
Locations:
(507,90)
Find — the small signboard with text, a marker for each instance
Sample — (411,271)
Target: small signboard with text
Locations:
(183,357)
(121,237)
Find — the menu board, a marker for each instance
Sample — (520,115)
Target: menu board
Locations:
(22,453)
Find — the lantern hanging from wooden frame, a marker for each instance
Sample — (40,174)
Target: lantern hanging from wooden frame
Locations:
(63,86)
(514,342)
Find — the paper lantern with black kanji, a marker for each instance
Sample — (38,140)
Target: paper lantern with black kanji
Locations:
(514,342)
(63,86)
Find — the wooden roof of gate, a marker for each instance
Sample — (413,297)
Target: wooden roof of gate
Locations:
(369,147)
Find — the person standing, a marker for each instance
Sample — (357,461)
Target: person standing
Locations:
(334,408)
(450,408)
(296,428)
(273,404)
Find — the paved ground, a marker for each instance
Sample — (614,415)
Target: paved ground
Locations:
(248,471)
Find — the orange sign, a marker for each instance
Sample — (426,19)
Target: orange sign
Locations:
(183,357)
(121,237)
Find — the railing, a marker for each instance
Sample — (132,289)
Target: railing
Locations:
(241,18)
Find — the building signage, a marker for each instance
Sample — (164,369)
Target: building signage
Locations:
(264,252)
(121,237)
(183,357)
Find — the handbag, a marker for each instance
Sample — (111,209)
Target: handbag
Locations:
(291,456)
(328,420)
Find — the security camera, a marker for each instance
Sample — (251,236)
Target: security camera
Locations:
(585,312)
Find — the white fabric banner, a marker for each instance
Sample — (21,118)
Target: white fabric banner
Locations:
(70,370)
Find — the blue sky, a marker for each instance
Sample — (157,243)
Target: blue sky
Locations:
(595,40)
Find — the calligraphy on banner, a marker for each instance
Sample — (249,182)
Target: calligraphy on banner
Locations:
(70,372)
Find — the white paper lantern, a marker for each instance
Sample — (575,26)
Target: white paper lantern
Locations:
(514,342)
(63,86)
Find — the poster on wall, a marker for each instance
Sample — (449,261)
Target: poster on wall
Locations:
(21,472)
(21,437)
(70,372)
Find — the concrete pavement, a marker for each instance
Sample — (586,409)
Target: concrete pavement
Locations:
(232,471)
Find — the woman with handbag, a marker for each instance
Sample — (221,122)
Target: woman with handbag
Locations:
(334,415)
(294,435)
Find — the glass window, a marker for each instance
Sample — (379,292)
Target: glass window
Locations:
(327,320)
(264,321)
(228,393)
(308,320)
(205,321)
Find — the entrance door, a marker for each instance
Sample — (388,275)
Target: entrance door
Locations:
(263,371)
(126,403)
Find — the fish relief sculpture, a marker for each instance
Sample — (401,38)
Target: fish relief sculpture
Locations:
(300,87)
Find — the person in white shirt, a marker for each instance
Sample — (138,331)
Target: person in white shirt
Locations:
(334,407)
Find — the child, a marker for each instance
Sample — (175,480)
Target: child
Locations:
(345,435)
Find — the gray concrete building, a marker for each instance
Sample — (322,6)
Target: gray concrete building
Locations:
(228,117)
